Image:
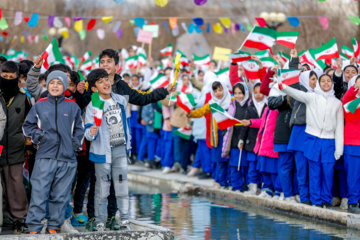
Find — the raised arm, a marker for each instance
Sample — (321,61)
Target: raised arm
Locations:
(198,113)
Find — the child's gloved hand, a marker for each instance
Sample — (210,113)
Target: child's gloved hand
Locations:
(337,156)
(280,86)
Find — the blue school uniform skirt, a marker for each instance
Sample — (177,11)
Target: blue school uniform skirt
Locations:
(220,169)
(238,178)
(143,145)
(168,159)
(152,139)
(352,168)
(253,173)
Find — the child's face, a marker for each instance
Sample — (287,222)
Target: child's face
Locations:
(201,76)
(135,81)
(108,64)
(257,94)
(212,66)
(186,80)
(325,83)
(238,94)
(22,81)
(241,71)
(55,88)
(312,81)
(71,86)
(103,86)
(127,79)
(349,73)
(331,72)
(219,92)
(167,73)
(42,83)
(131,52)
(7,75)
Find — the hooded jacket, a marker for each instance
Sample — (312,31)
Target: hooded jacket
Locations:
(340,85)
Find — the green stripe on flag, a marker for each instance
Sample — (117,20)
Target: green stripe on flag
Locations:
(96,101)
(81,76)
(222,71)
(56,51)
(287,34)
(352,106)
(216,108)
(265,31)
(191,99)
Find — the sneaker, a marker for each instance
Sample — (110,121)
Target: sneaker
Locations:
(205,176)
(276,197)
(125,225)
(291,199)
(99,227)
(353,208)
(90,225)
(282,197)
(51,231)
(192,172)
(7,222)
(44,221)
(67,227)
(297,198)
(20,227)
(344,205)
(307,203)
(264,194)
(78,219)
(328,206)
(166,170)
(230,188)
(112,224)
(34,232)
(176,167)
(252,189)
(147,165)
(335,201)
(238,191)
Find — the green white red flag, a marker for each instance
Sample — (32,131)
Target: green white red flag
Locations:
(131,62)
(224,71)
(268,62)
(184,61)
(184,132)
(167,51)
(261,38)
(284,56)
(251,69)
(86,66)
(86,56)
(158,80)
(203,60)
(287,39)
(98,108)
(343,56)
(142,59)
(262,54)
(185,101)
(289,76)
(347,51)
(222,117)
(327,51)
(352,109)
(356,47)
(52,54)
(239,56)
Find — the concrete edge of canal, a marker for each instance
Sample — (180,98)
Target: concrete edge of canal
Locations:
(183,184)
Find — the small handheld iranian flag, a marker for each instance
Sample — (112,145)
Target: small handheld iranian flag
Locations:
(204,60)
(184,61)
(268,62)
(52,54)
(347,51)
(221,72)
(185,101)
(284,56)
(287,39)
(98,108)
(327,51)
(239,56)
(251,69)
(262,54)
(142,59)
(344,56)
(131,62)
(222,117)
(86,56)
(184,132)
(158,80)
(167,51)
(74,61)
(356,47)
(87,65)
(352,109)
(289,76)
(261,38)
(81,76)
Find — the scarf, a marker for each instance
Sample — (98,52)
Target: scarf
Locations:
(352,81)
(328,94)
(225,101)
(259,105)
(304,80)
(246,94)
(9,88)
(188,90)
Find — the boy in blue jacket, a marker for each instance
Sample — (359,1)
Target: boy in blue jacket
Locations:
(110,145)
(55,124)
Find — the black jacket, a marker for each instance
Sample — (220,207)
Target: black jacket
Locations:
(248,134)
(239,114)
(340,86)
(298,114)
(282,128)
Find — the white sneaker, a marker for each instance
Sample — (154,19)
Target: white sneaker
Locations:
(216,185)
(230,188)
(344,205)
(276,197)
(166,170)
(100,227)
(264,194)
(335,201)
(282,197)
(237,191)
(290,199)
(67,227)
(44,221)
(176,167)
(192,172)
(297,198)
(252,189)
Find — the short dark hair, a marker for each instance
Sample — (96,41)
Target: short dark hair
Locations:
(111,53)
(216,85)
(58,67)
(125,75)
(23,68)
(42,77)
(358,76)
(10,67)
(239,86)
(27,62)
(257,85)
(312,73)
(135,75)
(95,75)
(2,59)
(74,77)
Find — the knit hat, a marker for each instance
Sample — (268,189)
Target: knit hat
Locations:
(59,75)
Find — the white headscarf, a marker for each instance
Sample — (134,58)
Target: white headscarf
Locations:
(328,94)
(189,89)
(225,101)
(139,85)
(304,80)
(209,78)
(246,94)
(259,105)
(352,81)
(226,80)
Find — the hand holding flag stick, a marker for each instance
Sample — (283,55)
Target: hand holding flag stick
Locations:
(177,69)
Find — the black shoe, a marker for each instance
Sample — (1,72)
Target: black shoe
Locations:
(205,176)
(20,227)
(328,206)
(307,203)
(200,173)
(353,208)
(8,222)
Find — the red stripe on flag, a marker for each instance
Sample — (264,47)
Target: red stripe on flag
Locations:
(45,55)
(227,123)
(291,81)
(251,75)
(240,59)
(183,106)
(257,45)
(164,84)
(286,44)
(330,56)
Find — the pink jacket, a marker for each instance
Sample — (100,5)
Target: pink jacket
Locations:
(264,144)
(352,130)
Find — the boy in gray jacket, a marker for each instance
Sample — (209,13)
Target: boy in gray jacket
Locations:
(55,124)
(109,134)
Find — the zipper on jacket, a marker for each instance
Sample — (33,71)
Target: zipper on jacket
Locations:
(322,128)
(297,110)
(57,132)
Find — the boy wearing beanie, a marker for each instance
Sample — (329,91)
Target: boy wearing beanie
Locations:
(55,124)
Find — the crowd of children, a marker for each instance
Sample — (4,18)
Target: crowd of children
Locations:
(291,143)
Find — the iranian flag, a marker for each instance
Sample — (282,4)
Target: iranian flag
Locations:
(284,56)
(352,109)
(142,59)
(347,51)
(287,39)
(52,54)
(86,66)
(204,60)
(96,61)
(167,51)
(68,62)
(86,56)
(239,56)
(81,76)
(224,71)
(165,63)
(356,47)
(309,59)
(262,54)
(261,38)
(327,51)
(74,61)
(185,101)
(158,80)
(344,56)
(184,61)
(268,62)
(98,108)
(289,76)
(131,62)
(251,69)
(301,53)
(184,132)
(222,117)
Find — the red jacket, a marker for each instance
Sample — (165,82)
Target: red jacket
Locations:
(264,87)
(234,76)
(352,127)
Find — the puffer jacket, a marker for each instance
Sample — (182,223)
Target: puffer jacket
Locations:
(265,139)
(352,130)
(298,114)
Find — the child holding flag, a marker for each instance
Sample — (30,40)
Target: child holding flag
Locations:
(107,128)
